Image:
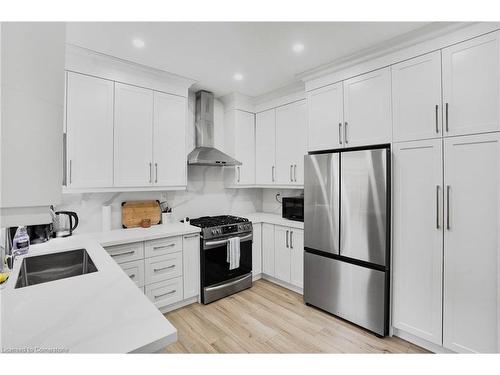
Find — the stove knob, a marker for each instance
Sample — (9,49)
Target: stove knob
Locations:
(213,231)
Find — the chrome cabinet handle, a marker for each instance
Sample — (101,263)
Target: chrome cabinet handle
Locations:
(131,275)
(165,294)
(150,173)
(340,133)
(272,173)
(70,171)
(295,172)
(446,111)
(291,239)
(238,169)
(156,173)
(437,206)
(448,207)
(164,268)
(437,119)
(287,239)
(345,132)
(163,246)
(124,253)
(291,172)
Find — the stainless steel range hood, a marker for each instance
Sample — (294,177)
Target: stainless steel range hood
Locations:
(205,153)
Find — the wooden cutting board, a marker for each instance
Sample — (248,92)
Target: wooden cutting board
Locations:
(134,212)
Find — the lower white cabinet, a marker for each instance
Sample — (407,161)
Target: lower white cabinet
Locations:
(257,250)
(268,249)
(166,269)
(289,255)
(297,258)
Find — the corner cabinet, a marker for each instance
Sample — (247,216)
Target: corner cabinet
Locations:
(122,137)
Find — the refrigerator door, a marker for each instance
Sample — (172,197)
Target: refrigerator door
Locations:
(321,202)
(363,187)
(352,292)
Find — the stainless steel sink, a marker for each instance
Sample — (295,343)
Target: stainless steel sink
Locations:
(44,268)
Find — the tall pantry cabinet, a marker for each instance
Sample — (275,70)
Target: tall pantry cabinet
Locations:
(447,197)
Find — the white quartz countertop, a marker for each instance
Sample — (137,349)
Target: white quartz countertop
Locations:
(263,217)
(100,312)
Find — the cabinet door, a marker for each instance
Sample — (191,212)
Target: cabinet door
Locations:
(191,265)
(265,145)
(257,249)
(169,140)
(471,243)
(418,239)
(325,117)
(268,249)
(290,142)
(245,147)
(282,253)
(89,120)
(471,86)
(133,136)
(367,109)
(416,98)
(297,257)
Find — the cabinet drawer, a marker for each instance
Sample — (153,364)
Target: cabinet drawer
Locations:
(165,293)
(127,252)
(163,267)
(163,246)
(134,270)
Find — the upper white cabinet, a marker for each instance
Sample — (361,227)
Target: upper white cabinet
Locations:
(291,136)
(265,147)
(326,117)
(367,109)
(472,247)
(169,140)
(471,86)
(244,147)
(418,238)
(32,110)
(416,98)
(133,147)
(89,123)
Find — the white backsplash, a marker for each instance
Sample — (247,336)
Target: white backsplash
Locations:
(269,202)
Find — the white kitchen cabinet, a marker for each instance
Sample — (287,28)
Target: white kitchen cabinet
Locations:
(268,249)
(418,238)
(169,140)
(191,265)
(367,109)
(244,148)
(282,253)
(416,98)
(165,293)
(471,243)
(89,122)
(133,135)
(291,143)
(471,86)
(297,257)
(32,110)
(135,271)
(257,250)
(265,147)
(163,267)
(325,117)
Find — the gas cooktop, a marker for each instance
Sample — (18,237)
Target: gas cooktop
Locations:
(223,225)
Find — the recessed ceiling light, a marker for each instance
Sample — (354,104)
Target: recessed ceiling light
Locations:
(238,76)
(138,43)
(298,47)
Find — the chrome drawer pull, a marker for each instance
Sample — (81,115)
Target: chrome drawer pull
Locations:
(125,253)
(163,247)
(165,294)
(164,268)
(132,275)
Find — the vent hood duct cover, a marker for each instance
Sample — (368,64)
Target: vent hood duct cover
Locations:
(205,153)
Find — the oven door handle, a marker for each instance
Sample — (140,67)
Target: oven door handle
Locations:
(212,244)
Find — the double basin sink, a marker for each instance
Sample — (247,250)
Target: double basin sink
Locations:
(50,267)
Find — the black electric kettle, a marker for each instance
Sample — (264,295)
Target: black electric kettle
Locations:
(65,222)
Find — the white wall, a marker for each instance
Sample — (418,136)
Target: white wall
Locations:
(205,195)
(269,202)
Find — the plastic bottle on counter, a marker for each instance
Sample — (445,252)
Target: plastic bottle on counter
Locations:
(21,241)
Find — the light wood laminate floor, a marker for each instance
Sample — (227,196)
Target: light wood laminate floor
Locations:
(270,319)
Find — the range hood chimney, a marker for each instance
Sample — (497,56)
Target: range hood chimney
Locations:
(205,153)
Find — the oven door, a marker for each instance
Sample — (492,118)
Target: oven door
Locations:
(215,268)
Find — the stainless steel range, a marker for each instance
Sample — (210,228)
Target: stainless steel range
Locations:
(220,274)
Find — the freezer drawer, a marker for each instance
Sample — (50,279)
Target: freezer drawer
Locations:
(352,292)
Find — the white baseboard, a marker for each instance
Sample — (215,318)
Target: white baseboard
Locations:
(420,342)
(178,305)
(282,283)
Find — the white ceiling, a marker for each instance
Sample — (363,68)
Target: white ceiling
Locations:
(212,53)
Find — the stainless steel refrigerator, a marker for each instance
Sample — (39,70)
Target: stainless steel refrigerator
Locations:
(347,234)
